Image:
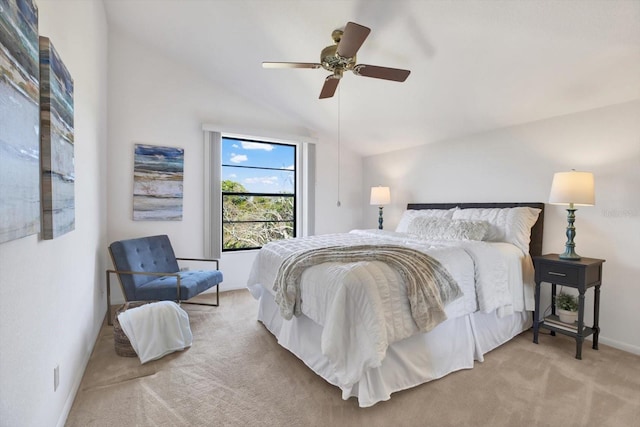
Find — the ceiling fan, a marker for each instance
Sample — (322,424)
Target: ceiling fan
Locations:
(341,57)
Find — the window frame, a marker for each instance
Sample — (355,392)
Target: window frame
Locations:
(294,195)
(212,197)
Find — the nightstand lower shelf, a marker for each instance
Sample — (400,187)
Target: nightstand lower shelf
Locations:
(554,324)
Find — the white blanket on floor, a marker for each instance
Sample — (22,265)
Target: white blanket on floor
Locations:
(156,329)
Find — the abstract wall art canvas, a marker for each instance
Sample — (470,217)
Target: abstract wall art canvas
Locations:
(19,120)
(57,143)
(157,183)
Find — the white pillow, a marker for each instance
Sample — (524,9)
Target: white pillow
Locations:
(447,229)
(410,214)
(511,225)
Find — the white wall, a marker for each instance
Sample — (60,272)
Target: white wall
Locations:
(52,298)
(157,101)
(517,164)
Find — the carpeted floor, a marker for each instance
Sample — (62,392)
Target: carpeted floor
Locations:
(235,374)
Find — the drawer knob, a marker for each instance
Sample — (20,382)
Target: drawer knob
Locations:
(553,273)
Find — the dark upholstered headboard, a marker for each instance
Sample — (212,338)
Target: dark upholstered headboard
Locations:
(535,247)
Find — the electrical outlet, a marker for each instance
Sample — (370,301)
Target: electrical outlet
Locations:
(56,377)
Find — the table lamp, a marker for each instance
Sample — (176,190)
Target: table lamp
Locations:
(572,188)
(380,196)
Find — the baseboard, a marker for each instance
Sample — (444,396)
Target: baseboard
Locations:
(62,420)
(232,287)
(619,345)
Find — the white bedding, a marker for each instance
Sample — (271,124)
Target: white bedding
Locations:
(362,307)
(451,346)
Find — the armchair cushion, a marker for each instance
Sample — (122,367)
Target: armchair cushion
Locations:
(191,284)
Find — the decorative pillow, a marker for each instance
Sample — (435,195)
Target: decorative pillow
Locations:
(410,214)
(511,225)
(447,229)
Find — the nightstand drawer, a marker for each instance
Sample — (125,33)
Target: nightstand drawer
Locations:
(561,274)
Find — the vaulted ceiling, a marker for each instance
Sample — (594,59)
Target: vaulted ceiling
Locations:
(475,65)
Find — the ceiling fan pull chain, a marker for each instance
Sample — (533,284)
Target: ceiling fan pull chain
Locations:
(338,204)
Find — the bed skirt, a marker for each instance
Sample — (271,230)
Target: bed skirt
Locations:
(453,345)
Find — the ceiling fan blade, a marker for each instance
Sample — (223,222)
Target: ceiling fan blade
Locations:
(352,38)
(290,65)
(385,73)
(329,87)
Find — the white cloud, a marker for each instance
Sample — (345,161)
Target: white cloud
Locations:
(238,158)
(235,146)
(290,167)
(233,175)
(268,180)
(247,145)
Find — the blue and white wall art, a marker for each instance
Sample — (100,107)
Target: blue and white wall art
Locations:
(157,183)
(57,144)
(19,120)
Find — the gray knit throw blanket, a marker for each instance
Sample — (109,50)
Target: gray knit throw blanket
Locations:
(430,287)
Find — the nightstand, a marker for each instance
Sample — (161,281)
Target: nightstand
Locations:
(581,275)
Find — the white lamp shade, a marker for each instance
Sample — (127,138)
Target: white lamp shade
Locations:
(380,196)
(573,187)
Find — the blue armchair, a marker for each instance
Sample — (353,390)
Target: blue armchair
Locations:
(148,270)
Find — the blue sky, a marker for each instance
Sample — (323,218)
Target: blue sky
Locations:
(248,153)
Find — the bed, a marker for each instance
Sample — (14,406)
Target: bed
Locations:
(350,314)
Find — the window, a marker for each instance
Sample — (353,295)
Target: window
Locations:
(257,188)
(258,193)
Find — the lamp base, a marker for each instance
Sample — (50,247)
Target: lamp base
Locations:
(569,247)
(570,254)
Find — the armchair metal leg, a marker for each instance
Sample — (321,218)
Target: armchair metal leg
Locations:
(109,321)
(206,303)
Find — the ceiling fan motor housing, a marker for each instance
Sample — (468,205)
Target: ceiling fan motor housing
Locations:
(333,62)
